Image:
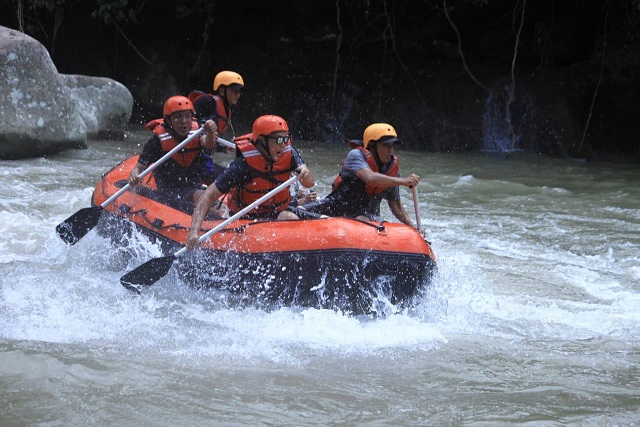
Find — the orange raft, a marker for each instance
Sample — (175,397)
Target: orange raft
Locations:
(338,263)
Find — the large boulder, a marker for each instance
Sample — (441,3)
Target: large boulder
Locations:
(104,104)
(38,115)
(43,112)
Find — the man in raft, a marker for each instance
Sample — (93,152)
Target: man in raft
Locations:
(227,88)
(216,106)
(179,178)
(265,159)
(370,173)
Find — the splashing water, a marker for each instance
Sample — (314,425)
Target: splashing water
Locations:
(531,318)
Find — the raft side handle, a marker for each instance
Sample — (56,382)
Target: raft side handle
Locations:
(381,228)
(124,209)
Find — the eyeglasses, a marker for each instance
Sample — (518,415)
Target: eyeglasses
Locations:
(281,139)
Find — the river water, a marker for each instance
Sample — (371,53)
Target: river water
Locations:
(532,319)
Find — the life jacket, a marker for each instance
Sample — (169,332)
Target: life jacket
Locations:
(187,154)
(222,114)
(266,177)
(195,95)
(371,189)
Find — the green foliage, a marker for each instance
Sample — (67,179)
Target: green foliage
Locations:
(49,5)
(123,12)
(187,9)
(36,17)
(120,12)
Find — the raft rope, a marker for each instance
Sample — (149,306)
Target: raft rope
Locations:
(379,228)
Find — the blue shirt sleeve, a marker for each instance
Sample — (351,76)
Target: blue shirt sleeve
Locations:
(238,172)
(354,162)
(296,159)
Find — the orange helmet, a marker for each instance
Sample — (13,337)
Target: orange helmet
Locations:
(266,125)
(227,78)
(177,103)
(380,132)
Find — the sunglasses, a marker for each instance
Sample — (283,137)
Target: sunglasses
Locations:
(281,139)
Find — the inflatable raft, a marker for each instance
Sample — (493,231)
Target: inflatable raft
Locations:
(338,263)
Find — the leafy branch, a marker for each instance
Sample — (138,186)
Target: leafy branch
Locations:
(118,13)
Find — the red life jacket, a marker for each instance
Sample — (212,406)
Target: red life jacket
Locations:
(371,161)
(195,95)
(187,154)
(223,112)
(266,177)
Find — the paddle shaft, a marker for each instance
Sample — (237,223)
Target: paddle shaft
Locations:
(151,168)
(226,143)
(416,207)
(236,216)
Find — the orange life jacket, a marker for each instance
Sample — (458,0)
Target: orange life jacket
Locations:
(371,189)
(223,112)
(266,177)
(195,95)
(187,154)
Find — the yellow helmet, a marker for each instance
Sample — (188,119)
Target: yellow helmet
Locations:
(382,132)
(227,78)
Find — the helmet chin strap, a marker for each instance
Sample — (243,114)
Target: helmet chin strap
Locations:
(264,148)
(374,149)
(169,126)
(223,95)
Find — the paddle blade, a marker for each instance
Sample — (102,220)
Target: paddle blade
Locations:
(77,225)
(148,273)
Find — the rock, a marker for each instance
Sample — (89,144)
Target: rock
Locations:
(43,112)
(104,104)
(38,115)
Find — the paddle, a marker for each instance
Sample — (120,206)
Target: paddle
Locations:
(226,143)
(417,209)
(153,270)
(80,223)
